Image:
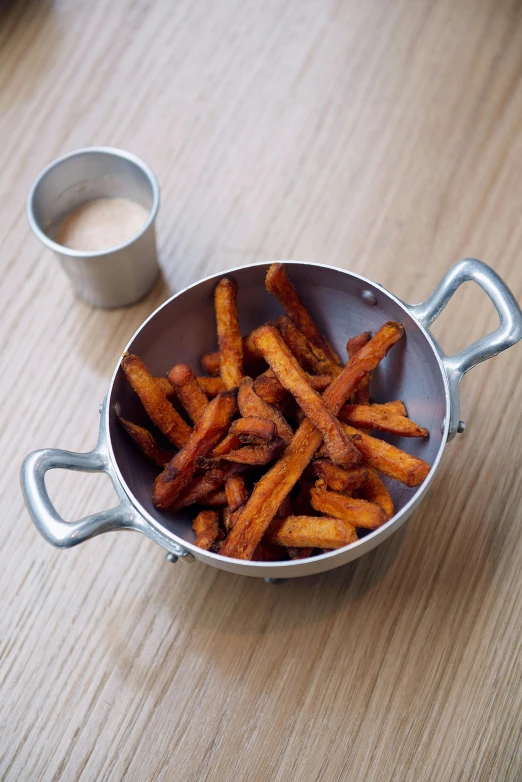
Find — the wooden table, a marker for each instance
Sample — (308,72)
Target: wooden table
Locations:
(381,137)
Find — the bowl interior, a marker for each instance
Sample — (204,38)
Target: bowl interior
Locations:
(184,327)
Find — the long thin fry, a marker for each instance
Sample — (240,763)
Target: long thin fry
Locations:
(203,485)
(374,417)
(210,361)
(312,358)
(236,492)
(206,527)
(268,387)
(188,390)
(277,282)
(147,443)
(253,455)
(254,427)
(207,432)
(229,333)
(375,491)
(211,386)
(274,486)
(293,378)
(390,460)
(214,499)
(251,405)
(360,513)
(336,478)
(361,394)
(166,387)
(312,531)
(155,402)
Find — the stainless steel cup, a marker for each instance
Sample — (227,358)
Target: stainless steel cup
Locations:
(119,275)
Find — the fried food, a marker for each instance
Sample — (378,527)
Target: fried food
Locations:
(360,513)
(312,358)
(375,417)
(268,387)
(336,478)
(229,333)
(147,443)
(254,428)
(375,491)
(210,361)
(361,394)
(188,391)
(206,527)
(311,531)
(236,492)
(155,402)
(251,405)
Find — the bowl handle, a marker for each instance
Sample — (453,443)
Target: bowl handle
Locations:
(508,333)
(65,534)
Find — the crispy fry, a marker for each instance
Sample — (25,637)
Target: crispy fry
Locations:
(336,478)
(311,531)
(166,387)
(274,486)
(229,443)
(155,402)
(268,387)
(188,390)
(236,492)
(390,460)
(206,527)
(207,432)
(277,282)
(360,513)
(211,386)
(253,455)
(229,333)
(214,499)
(210,361)
(361,394)
(312,358)
(254,428)
(203,485)
(294,379)
(251,405)
(299,553)
(392,407)
(375,491)
(147,443)
(375,417)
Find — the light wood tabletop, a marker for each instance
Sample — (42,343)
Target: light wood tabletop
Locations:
(384,138)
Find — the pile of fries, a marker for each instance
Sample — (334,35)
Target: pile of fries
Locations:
(279,462)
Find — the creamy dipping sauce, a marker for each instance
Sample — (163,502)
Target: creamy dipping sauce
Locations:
(101,224)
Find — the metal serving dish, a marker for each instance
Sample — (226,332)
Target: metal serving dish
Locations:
(416,371)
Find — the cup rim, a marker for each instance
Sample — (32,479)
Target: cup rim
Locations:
(112,151)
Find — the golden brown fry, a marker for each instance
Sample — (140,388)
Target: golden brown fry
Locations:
(214,499)
(147,443)
(254,428)
(207,432)
(155,402)
(229,443)
(188,390)
(375,417)
(270,491)
(361,394)
(210,361)
(277,282)
(251,405)
(375,491)
(229,333)
(270,390)
(360,513)
(236,492)
(392,407)
(336,478)
(206,527)
(294,379)
(253,455)
(390,460)
(211,386)
(311,531)
(204,485)
(312,358)
(299,553)
(165,386)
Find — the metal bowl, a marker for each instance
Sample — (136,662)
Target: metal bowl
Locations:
(416,371)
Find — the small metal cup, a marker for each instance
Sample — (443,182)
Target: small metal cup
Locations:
(108,278)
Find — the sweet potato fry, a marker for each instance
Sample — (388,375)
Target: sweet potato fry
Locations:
(361,394)
(236,492)
(188,390)
(311,531)
(253,455)
(312,358)
(293,378)
(299,553)
(210,361)
(204,485)
(360,513)
(254,428)
(275,485)
(229,443)
(277,282)
(147,443)
(336,478)
(207,432)
(251,405)
(374,417)
(375,491)
(390,460)
(211,386)
(392,407)
(206,527)
(229,333)
(214,499)
(166,387)
(270,390)
(155,402)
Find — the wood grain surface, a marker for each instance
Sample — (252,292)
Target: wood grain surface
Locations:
(381,137)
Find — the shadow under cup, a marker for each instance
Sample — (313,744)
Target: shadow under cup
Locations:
(116,276)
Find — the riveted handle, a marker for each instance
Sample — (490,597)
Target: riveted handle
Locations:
(508,333)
